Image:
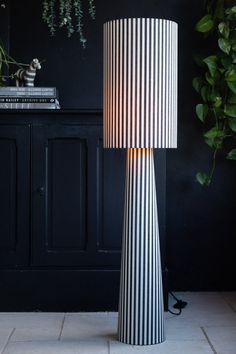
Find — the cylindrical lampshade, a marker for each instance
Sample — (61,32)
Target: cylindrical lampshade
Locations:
(140,83)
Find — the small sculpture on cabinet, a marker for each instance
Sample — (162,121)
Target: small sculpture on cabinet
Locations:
(26,77)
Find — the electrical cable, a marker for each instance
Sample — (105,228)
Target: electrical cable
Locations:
(179,305)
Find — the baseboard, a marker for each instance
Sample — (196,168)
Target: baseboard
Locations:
(63,290)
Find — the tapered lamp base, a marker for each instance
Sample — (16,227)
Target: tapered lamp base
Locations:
(141,311)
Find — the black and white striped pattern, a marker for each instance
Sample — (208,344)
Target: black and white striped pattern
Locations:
(141,312)
(26,77)
(140,83)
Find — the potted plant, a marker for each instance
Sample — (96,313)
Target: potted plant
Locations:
(217,83)
(5,61)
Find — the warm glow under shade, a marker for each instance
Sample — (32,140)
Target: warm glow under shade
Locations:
(140,83)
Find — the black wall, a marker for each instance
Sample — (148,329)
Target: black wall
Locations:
(200,222)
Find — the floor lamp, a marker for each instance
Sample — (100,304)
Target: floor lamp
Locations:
(140,113)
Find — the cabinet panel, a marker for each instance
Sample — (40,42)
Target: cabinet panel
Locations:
(66,180)
(14,192)
(59,220)
(65,191)
(8,198)
(77,197)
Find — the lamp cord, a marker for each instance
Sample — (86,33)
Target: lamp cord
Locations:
(179,305)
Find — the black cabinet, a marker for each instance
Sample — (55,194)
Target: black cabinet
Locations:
(72,208)
(14,194)
(61,212)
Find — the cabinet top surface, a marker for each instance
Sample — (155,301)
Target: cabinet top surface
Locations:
(82,116)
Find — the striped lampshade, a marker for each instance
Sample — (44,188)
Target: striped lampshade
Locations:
(140,83)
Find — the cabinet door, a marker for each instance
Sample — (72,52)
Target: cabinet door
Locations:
(14,194)
(78,194)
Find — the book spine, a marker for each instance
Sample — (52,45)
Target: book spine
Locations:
(28,91)
(13,105)
(27,99)
(25,94)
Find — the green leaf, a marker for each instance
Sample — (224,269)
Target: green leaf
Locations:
(203,179)
(213,133)
(218,102)
(234,58)
(224,29)
(233,36)
(232,124)
(226,61)
(230,110)
(219,112)
(230,75)
(210,79)
(224,45)
(233,9)
(232,99)
(232,86)
(222,70)
(230,10)
(201,111)
(234,47)
(211,62)
(205,24)
(197,83)
(205,93)
(214,137)
(215,99)
(231,155)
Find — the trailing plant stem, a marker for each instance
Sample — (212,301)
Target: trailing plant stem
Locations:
(13,62)
(70,15)
(213,165)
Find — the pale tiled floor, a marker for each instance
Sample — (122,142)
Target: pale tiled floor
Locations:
(207,325)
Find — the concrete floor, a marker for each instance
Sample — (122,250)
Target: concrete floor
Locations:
(207,325)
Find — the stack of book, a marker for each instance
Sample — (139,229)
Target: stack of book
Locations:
(29,98)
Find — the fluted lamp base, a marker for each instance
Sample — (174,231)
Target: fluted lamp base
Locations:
(141,310)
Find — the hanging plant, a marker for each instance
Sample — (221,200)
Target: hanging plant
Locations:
(67,13)
(217,83)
